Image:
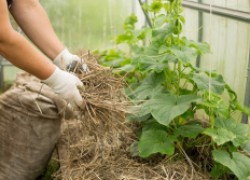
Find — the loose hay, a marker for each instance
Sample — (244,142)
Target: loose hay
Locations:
(96,146)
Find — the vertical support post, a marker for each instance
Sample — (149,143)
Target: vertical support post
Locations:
(146,2)
(247,93)
(200,33)
(1,73)
(145,14)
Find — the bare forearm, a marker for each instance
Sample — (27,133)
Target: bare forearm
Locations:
(22,54)
(33,20)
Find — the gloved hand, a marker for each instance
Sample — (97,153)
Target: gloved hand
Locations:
(66,85)
(67,61)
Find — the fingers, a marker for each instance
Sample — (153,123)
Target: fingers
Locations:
(79,83)
(78,99)
(76,64)
(65,60)
(75,99)
(66,85)
(84,68)
(71,66)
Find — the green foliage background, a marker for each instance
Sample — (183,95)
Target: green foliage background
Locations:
(170,91)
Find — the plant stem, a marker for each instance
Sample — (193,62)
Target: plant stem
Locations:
(211,117)
(179,78)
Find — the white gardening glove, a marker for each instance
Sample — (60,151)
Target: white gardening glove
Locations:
(67,61)
(66,85)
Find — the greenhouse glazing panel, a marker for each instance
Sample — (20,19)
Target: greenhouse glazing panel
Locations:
(87,24)
(230,44)
(241,5)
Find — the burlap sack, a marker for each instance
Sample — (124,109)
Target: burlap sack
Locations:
(30,119)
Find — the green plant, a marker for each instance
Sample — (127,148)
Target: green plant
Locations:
(171,91)
(51,168)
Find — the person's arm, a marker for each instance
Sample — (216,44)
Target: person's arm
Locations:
(35,23)
(33,20)
(21,53)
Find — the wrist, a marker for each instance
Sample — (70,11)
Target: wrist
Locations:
(61,56)
(64,59)
(46,71)
(53,77)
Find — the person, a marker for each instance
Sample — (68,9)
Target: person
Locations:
(34,22)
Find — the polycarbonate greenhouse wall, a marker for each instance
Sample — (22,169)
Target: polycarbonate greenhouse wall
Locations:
(230,43)
(240,5)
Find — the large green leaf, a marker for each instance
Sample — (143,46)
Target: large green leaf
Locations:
(216,84)
(143,34)
(124,38)
(220,136)
(155,6)
(160,20)
(131,20)
(142,112)
(186,54)
(152,124)
(246,146)
(238,163)
(157,64)
(151,85)
(152,49)
(155,140)
(160,34)
(229,130)
(190,130)
(166,107)
(218,170)
(202,48)
(240,130)
(214,101)
(126,68)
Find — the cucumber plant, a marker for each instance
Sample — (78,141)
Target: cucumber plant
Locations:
(171,92)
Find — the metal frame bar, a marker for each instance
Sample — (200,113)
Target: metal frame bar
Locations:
(230,13)
(3,63)
(145,13)
(200,33)
(1,73)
